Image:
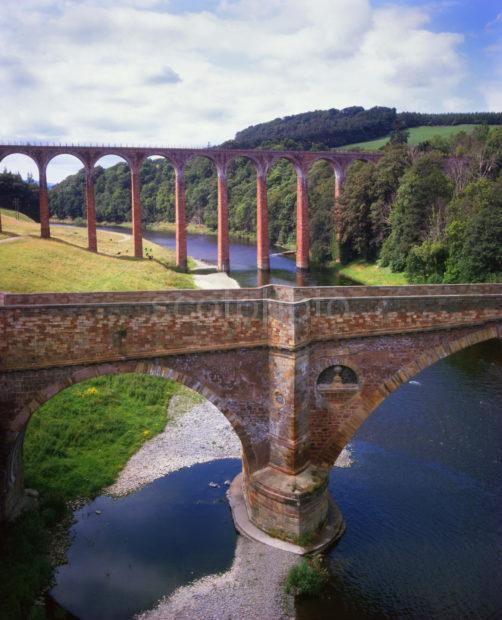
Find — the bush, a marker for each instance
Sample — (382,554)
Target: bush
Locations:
(427,262)
(306,578)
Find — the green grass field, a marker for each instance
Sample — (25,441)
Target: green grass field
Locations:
(78,442)
(372,274)
(417,135)
(62,264)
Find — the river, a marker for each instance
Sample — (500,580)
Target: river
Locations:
(243,260)
(422,501)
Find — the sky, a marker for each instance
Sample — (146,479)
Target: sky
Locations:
(193,72)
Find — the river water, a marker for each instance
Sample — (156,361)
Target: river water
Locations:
(422,502)
(243,260)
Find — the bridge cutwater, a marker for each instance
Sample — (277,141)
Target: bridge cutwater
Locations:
(135,156)
(296,371)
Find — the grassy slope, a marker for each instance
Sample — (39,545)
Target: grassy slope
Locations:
(372,274)
(76,444)
(417,135)
(18,216)
(63,265)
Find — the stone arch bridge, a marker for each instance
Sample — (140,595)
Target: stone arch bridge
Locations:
(179,157)
(295,370)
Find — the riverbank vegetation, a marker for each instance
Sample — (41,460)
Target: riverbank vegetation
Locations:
(307,578)
(76,444)
(433,212)
(372,274)
(61,264)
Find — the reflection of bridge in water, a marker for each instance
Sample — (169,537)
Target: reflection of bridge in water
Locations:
(178,158)
(296,371)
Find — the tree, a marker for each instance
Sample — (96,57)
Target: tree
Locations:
(389,171)
(399,136)
(474,233)
(420,202)
(356,234)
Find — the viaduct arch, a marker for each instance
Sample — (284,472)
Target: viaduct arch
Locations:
(178,158)
(295,370)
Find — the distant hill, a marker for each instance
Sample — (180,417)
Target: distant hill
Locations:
(335,128)
(416,135)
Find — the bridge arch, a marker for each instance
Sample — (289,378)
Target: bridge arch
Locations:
(243,218)
(366,404)
(26,155)
(70,164)
(160,369)
(63,153)
(26,167)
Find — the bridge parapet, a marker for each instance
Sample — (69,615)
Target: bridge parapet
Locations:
(49,329)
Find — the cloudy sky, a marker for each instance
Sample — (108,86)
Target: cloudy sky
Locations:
(189,72)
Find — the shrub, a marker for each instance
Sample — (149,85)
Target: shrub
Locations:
(427,262)
(306,578)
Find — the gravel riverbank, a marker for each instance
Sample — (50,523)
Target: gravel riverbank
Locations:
(252,588)
(194,434)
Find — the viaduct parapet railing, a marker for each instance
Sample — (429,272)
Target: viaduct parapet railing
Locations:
(296,371)
(179,157)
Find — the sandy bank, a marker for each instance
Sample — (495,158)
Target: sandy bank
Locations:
(205,277)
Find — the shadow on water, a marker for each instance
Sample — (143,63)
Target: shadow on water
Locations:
(129,552)
(423,500)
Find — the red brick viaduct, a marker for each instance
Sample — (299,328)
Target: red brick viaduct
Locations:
(296,371)
(135,156)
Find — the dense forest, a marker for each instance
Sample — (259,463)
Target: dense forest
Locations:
(420,211)
(432,210)
(320,129)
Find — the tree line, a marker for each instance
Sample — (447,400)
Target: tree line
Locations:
(434,211)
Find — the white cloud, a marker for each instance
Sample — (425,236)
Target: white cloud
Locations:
(130,71)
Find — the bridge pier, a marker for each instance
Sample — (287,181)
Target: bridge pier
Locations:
(302,221)
(45,231)
(223,250)
(92,242)
(262,237)
(288,498)
(12,494)
(180,206)
(136,212)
